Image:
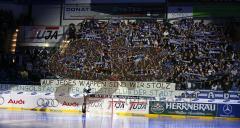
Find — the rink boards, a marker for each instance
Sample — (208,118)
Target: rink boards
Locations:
(191,103)
(48,102)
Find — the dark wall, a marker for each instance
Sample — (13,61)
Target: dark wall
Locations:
(235,32)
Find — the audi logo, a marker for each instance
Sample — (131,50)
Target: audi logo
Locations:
(44,102)
(1,100)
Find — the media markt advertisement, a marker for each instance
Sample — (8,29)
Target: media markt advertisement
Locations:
(182,108)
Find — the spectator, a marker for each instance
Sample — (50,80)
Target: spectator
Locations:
(191,54)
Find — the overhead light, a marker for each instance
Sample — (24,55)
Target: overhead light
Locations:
(148,14)
(15,34)
(46,45)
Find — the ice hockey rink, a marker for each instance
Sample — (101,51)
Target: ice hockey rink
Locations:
(32,119)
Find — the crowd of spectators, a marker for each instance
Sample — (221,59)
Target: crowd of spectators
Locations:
(192,54)
(28,66)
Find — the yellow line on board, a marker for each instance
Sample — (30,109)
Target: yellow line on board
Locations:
(3,108)
(71,111)
(14,109)
(151,115)
(123,114)
(231,119)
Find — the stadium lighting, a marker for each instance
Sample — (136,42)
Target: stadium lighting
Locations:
(13,50)
(148,14)
(46,45)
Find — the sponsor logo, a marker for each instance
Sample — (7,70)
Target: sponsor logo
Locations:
(157,108)
(77,9)
(11,101)
(73,104)
(1,100)
(191,106)
(44,102)
(47,34)
(116,104)
(227,109)
(38,34)
(95,104)
(138,105)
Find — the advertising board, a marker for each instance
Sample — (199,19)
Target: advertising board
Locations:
(112,1)
(42,36)
(228,110)
(182,108)
(47,102)
(115,11)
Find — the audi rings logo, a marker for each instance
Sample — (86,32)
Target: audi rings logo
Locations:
(1,100)
(227,109)
(44,102)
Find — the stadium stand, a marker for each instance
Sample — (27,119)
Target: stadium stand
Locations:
(192,54)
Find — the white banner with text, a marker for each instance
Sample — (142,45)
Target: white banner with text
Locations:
(125,88)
